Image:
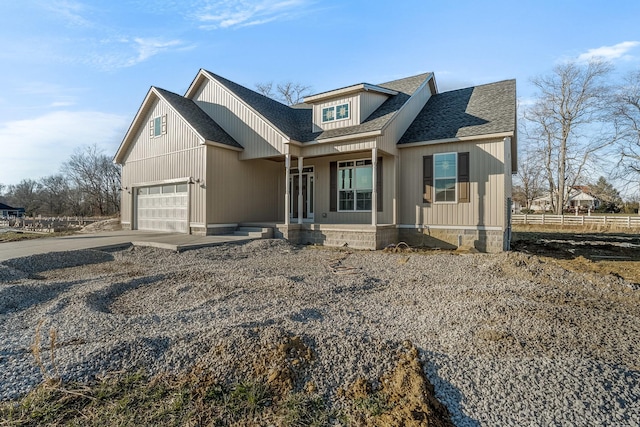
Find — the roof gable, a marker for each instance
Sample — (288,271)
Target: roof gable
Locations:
(382,116)
(203,125)
(474,111)
(294,123)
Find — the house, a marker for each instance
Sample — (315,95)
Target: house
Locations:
(581,199)
(7,211)
(365,165)
(578,197)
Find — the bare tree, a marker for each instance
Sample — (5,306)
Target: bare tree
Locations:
(566,121)
(626,116)
(55,194)
(288,92)
(528,181)
(97,177)
(25,194)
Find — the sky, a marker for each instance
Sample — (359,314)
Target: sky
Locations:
(73,73)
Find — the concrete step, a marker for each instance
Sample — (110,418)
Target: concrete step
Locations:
(254,232)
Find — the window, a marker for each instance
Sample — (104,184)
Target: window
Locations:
(335,112)
(158,126)
(444,179)
(355,185)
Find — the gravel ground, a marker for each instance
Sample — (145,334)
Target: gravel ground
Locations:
(506,339)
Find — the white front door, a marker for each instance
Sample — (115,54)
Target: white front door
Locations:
(308,194)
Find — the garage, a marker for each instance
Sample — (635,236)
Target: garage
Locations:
(163,208)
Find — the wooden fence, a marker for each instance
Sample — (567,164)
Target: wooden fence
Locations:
(576,220)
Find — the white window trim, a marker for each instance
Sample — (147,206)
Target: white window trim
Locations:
(335,108)
(163,126)
(355,199)
(455,201)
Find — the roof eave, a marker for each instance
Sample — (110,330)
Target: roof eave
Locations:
(220,145)
(361,87)
(360,135)
(124,145)
(457,139)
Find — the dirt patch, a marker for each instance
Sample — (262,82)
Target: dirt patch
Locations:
(112,224)
(602,253)
(402,397)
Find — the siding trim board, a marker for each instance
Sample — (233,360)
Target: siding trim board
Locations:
(458,139)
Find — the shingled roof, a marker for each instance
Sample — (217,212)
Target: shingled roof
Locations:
(296,123)
(204,125)
(473,111)
(293,122)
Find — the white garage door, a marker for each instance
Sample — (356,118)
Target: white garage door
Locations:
(163,208)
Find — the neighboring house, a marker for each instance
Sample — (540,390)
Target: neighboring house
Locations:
(578,196)
(7,211)
(364,165)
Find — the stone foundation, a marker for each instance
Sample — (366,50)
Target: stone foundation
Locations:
(482,240)
(354,236)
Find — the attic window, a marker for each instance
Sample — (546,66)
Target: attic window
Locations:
(158,126)
(335,112)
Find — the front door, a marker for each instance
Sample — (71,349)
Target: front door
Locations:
(307,193)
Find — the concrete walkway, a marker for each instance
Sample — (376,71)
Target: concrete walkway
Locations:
(112,239)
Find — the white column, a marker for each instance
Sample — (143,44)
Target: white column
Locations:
(300,166)
(287,187)
(374,192)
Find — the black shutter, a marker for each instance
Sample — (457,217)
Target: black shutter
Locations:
(333,186)
(427,178)
(379,181)
(464,195)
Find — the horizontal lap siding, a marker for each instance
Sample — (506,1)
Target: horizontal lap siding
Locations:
(243,190)
(487,187)
(177,154)
(257,137)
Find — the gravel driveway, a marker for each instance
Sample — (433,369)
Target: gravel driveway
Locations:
(506,339)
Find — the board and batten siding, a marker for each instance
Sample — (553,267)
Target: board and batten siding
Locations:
(243,190)
(354,113)
(322,191)
(258,138)
(369,102)
(175,155)
(399,125)
(487,187)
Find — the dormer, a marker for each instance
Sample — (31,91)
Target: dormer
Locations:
(348,106)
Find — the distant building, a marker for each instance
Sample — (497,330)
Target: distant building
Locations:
(579,197)
(7,211)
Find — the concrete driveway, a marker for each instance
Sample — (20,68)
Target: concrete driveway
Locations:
(112,239)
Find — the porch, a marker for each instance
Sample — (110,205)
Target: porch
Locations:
(356,236)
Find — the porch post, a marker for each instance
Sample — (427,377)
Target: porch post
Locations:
(300,166)
(374,192)
(287,187)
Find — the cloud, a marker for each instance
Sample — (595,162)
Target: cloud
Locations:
(609,53)
(244,13)
(70,11)
(37,147)
(126,52)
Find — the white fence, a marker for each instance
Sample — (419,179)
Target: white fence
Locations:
(604,220)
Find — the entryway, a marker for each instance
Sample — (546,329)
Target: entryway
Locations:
(308,188)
